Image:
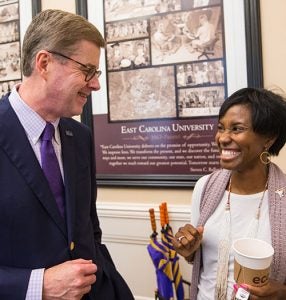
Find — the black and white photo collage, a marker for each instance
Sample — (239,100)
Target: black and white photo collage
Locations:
(10,71)
(164,58)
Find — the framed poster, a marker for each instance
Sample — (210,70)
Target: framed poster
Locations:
(15,16)
(167,67)
(10,71)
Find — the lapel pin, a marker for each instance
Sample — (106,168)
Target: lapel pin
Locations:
(69,133)
(281,192)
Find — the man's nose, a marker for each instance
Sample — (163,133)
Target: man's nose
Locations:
(94,83)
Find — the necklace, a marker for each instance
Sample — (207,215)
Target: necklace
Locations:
(257,214)
(224,244)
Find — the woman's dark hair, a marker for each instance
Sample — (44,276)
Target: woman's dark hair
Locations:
(268,113)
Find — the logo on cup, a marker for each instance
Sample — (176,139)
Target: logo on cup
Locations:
(260,280)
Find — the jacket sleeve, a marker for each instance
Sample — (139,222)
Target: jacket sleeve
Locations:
(93,210)
(14,283)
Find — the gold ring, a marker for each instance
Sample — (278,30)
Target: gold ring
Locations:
(180,238)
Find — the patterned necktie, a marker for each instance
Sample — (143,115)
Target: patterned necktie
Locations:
(51,167)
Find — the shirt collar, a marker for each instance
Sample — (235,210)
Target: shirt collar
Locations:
(32,122)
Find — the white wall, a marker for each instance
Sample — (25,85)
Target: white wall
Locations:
(273,25)
(66,5)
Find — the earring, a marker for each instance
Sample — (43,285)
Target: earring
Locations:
(265,157)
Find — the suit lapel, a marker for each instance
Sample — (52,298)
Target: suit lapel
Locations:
(69,165)
(14,142)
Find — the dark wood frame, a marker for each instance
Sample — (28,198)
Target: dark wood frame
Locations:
(36,7)
(254,79)
(86,116)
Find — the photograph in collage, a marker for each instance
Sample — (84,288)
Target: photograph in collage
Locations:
(151,38)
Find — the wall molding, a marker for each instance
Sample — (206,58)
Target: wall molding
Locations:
(141,210)
(114,212)
(124,239)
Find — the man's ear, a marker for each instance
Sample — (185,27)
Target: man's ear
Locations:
(42,60)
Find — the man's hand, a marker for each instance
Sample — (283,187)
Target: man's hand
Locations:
(69,280)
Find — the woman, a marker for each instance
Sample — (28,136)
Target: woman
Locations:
(247,197)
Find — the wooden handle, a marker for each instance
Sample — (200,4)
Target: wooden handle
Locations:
(152,219)
(162,216)
(166,215)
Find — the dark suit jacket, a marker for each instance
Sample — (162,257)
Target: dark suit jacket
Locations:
(32,232)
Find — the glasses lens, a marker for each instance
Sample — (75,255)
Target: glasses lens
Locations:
(91,73)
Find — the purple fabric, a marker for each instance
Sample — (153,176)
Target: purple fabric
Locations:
(51,168)
(167,234)
(160,258)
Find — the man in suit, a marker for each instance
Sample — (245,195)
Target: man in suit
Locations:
(51,240)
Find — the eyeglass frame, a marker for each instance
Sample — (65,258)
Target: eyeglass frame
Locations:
(91,72)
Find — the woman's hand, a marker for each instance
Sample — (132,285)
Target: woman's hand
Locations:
(273,290)
(187,240)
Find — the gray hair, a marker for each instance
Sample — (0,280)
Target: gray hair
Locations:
(56,30)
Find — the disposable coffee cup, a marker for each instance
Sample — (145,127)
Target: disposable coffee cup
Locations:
(252,260)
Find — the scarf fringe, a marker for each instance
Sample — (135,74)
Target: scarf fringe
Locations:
(223,260)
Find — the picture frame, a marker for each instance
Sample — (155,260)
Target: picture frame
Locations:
(10,53)
(36,7)
(16,15)
(127,157)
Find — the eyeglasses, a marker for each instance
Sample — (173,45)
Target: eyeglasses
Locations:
(90,72)
(236,129)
